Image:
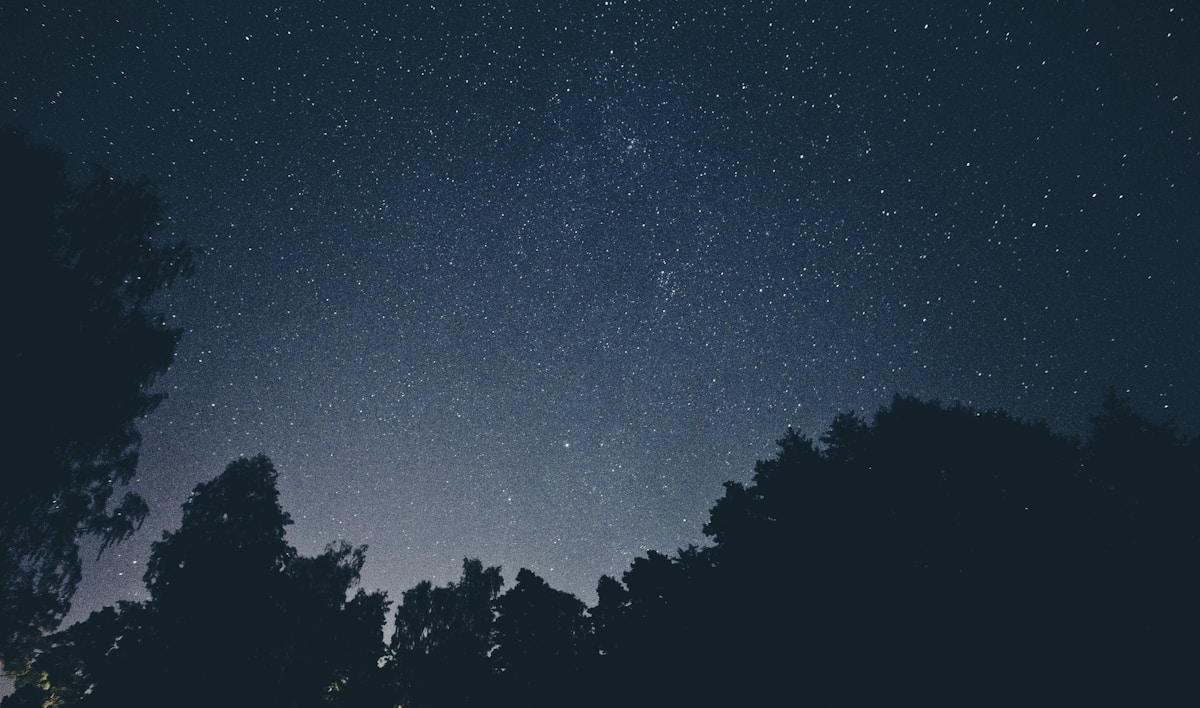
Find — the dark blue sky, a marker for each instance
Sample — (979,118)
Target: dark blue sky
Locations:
(528,284)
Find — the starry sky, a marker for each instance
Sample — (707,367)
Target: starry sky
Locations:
(528,281)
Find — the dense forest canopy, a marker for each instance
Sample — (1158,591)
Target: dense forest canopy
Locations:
(934,553)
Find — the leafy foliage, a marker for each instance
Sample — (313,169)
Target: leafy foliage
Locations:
(938,554)
(235,617)
(83,349)
(538,636)
(439,651)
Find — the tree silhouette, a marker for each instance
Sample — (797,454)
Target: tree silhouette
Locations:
(218,582)
(936,554)
(331,644)
(612,603)
(83,349)
(539,632)
(1146,480)
(70,665)
(235,617)
(438,655)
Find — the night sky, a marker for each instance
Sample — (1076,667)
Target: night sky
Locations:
(529,284)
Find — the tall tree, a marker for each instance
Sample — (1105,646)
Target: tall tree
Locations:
(218,583)
(83,349)
(439,651)
(235,617)
(539,632)
(231,537)
(332,641)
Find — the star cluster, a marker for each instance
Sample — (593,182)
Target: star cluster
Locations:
(527,281)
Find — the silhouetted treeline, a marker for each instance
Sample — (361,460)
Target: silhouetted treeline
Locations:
(934,555)
(236,617)
(82,346)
